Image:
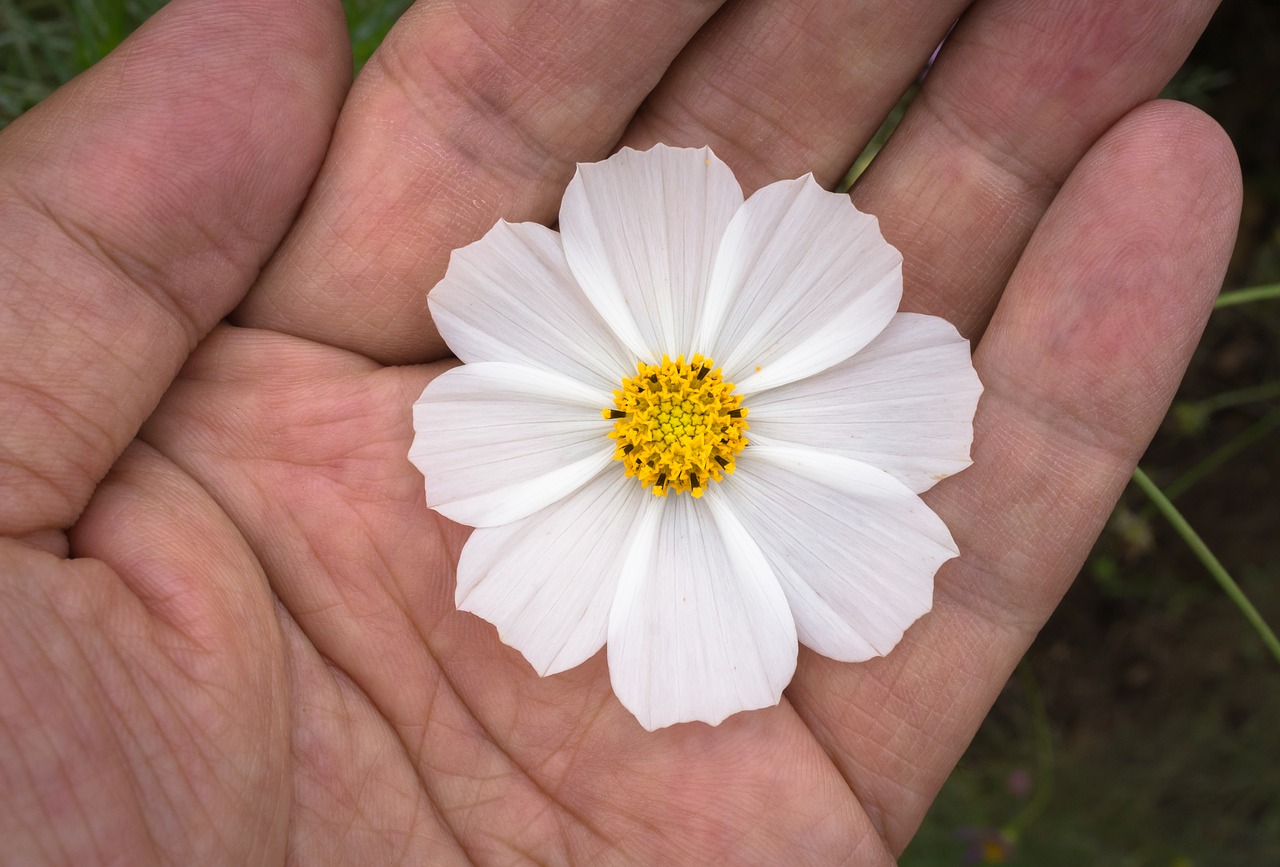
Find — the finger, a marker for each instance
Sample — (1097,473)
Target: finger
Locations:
(781,88)
(468,113)
(1019,93)
(1080,363)
(136,206)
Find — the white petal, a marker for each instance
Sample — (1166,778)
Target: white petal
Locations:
(497,441)
(511,297)
(904,404)
(700,628)
(803,280)
(640,231)
(854,550)
(548,581)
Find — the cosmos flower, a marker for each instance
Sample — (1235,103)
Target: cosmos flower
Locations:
(694,429)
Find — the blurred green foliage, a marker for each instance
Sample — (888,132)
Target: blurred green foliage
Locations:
(369,21)
(37,52)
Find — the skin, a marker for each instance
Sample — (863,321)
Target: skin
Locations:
(226,622)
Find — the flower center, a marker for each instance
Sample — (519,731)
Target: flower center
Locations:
(678,424)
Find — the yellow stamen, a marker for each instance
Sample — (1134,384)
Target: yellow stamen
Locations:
(677,425)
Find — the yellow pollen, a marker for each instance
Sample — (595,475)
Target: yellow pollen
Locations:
(677,425)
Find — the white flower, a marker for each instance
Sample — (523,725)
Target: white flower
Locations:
(803,416)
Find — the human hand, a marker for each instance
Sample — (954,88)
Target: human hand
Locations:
(253,653)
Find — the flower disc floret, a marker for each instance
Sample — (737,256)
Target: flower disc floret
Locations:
(678,425)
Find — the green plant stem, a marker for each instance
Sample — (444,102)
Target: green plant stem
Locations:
(1240,397)
(1245,296)
(1235,446)
(1210,562)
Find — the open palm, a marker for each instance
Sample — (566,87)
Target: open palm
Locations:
(226,622)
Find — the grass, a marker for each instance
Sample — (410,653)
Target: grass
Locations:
(1140,729)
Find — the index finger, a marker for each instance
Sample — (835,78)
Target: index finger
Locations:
(467,113)
(136,206)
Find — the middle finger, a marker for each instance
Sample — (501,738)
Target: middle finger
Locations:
(783,87)
(469,112)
